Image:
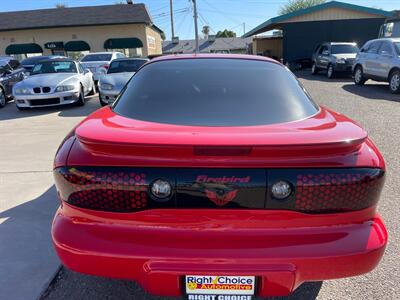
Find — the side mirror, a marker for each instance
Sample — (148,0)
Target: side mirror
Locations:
(86,71)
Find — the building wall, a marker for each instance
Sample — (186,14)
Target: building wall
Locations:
(333,13)
(93,35)
(300,39)
(272,47)
(153,35)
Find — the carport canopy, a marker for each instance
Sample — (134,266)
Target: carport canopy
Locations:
(23,48)
(123,43)
(76,46)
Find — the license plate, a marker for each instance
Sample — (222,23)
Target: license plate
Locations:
(209,287)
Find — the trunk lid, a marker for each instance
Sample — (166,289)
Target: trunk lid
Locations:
(326,139)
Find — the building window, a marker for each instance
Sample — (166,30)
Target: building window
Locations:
(131,47)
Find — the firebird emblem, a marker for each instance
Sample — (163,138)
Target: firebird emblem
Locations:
(223,199)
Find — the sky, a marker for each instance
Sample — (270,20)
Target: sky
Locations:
(235,15)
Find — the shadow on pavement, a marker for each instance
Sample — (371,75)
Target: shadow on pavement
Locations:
(10,112)
(372,91)
(72,285)
(27,258)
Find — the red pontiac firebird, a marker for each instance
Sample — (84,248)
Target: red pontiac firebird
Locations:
(218,177)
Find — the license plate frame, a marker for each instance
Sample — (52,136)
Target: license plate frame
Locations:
(219,287)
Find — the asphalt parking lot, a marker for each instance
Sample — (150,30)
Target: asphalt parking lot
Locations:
(28,199)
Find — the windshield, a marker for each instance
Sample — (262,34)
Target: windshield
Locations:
(344,49)
(131,65)
(97,57)
(215,92)
(54,67)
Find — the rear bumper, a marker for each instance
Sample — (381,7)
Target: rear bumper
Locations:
(157,247)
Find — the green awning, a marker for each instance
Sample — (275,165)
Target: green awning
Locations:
(123,43)
(75,46)
(23,49)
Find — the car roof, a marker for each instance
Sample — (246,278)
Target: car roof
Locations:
(131,58)
(105,52)
(341,43)
(389,39)
(57,59)
(213,55)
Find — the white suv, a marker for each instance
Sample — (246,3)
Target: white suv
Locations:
(98,62)
(379,60)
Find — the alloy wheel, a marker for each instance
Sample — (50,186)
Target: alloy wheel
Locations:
(395,82)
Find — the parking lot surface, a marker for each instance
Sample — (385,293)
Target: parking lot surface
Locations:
(28,199)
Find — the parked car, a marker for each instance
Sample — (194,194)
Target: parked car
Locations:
(379,60)
(98,62)
(334,58)
(54,82)
(118,74)
(30,62)
(206,175)
(11,72)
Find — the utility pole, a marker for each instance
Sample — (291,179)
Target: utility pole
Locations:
(172,19)
(244,28)
(196,33)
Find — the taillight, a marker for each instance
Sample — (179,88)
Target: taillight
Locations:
(328,190)
(107,189)
(123,189)
(105,67)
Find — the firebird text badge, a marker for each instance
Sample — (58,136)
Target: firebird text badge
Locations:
(216,189)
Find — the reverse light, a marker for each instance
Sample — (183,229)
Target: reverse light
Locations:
(281,190)
(161,189)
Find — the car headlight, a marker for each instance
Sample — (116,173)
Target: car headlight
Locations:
(65,88)
(341,61)
(22,91)
(106,86)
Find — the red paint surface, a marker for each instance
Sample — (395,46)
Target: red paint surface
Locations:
(157,247)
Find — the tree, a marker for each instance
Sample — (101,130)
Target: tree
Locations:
(206,31)
(61,5)
(294,5)
(225,33)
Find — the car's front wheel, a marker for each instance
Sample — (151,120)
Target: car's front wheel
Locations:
(81,100)
(3,99)
(314,69)
(394,82)
(359,78)
(331,72)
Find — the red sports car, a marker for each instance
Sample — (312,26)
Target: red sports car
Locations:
(217,177)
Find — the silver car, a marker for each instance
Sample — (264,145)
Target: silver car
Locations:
(54,82)
(379,60)
(118,74)
(99,62)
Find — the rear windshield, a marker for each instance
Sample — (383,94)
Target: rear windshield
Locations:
(97,57)
(215,92)
(344,49)
(129,65)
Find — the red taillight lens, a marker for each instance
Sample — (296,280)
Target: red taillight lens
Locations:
(331,190)
(121,191)
(106,67)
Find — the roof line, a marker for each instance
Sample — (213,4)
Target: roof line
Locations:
(279,19)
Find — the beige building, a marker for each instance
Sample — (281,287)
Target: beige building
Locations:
(75,31)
